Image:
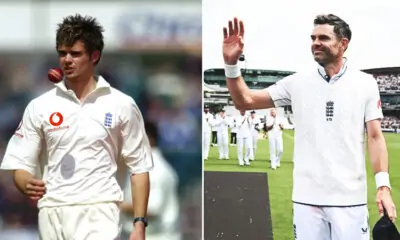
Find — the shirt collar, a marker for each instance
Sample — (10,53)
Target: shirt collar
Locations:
(101,83)
(321,71)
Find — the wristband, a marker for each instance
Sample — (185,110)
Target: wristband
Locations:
(232,71)
(382,180)
(141,219)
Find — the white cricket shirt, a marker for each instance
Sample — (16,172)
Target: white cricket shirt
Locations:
(80,144)
(276,131)
(255,125)
(208,122)
(329,144)
(243,123)
(233,125)
(222,125)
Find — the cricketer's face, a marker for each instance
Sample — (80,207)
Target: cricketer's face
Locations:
(326,46)
(75,61)
(273,112)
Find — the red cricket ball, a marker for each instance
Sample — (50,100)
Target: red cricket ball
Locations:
(55,75)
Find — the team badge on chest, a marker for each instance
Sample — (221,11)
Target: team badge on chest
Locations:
(330,110)
(108,119)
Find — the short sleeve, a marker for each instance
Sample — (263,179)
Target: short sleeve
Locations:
(373,108)
(280,92)
(25,145)
(136,150)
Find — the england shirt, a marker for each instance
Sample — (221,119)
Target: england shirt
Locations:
(233,125)
(244,129)
(329,142)
(208,120)
(222,124)
(78,145)
(276,130)
(255,125)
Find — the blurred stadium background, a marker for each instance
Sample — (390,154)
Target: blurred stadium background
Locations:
(152,53)
(216,96)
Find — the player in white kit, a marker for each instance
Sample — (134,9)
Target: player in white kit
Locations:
(274,131)
(208,122)
(255,126)
(244,139)
(214,130)
(234,128)
(222,125)
(332,105)
(76,134)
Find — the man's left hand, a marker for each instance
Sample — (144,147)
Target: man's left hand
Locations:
(138,232)
(384,201)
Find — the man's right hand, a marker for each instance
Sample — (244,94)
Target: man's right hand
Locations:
(35,189)
(233,43)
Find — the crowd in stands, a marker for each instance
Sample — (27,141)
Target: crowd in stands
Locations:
(390,122)
(388,82)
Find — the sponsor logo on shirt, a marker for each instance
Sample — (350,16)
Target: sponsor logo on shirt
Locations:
(55,120)
(108,120)
(364,230)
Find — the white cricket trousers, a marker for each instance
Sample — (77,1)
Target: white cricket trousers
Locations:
(80,222)
(275,150)
(206,144)
(223,144)
(330,223)
(254,142)
(246,143)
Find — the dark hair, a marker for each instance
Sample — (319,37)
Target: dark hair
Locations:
(340,27)
(151,130)
(78,28)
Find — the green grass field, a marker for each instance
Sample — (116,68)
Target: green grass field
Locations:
(280,180)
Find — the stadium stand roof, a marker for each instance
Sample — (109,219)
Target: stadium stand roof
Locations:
(206,88)
(387,70)
(248,71)
(213,88)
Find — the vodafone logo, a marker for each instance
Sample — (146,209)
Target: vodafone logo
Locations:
(56,119)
